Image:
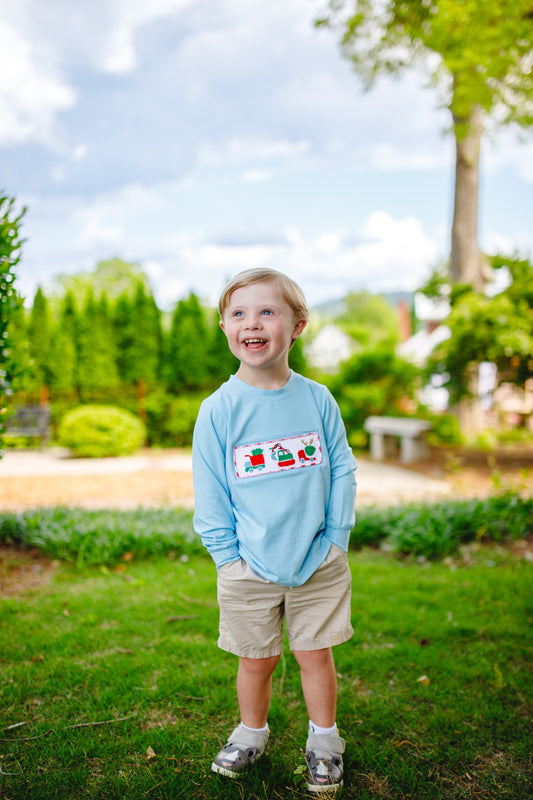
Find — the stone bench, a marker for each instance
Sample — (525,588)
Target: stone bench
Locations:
(408,430)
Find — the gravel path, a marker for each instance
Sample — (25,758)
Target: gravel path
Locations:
(29,479)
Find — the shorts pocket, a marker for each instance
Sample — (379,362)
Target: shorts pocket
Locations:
(335,552)
(228,565)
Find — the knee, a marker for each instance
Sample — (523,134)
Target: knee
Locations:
(314,659)
(259,667)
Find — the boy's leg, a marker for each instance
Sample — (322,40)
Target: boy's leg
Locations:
(324,747)
(319,685)
(249,739)
(251,627)
(254,688)
(318,617)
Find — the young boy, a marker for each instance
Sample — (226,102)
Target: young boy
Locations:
(274,504)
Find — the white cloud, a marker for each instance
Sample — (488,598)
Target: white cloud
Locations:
(79,153)
(257,176)
(388,254)
(388,156)
(120,57)
(130,16)
(238,150)
(32,92)
(506,151)
(96,233)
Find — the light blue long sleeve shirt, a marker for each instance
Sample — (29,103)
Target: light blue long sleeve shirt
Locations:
(274,477)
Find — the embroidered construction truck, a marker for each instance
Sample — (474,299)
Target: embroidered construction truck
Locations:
(277,455)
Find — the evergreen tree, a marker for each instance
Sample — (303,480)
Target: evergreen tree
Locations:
(222,362)
(124,334)
(19,349)
(138,336)
(10,248)
(147,336)
(97,370)
(64,349)
(39,337)
(188,356)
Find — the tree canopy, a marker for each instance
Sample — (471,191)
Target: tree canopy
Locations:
(368,318)
(113,277)
(498,329)
(478,53)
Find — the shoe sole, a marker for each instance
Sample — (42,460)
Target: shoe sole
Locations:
(231,773)
(332,788)
(223,771)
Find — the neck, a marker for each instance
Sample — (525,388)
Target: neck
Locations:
(264,379)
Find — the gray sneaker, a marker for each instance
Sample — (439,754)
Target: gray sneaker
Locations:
(242,750)
(323,755)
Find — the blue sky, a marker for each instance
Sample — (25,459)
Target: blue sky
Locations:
(200,137)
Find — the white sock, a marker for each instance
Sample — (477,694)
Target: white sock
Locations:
(255,730)
(317,729)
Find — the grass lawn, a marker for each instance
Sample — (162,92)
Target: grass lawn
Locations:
(112,685)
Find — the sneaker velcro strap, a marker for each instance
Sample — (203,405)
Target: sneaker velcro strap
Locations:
(325,745)
(245,739)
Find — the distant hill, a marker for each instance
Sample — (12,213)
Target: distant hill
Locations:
(397,297)
(334,308)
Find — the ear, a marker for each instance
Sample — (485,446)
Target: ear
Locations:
(221,323)
(298,328)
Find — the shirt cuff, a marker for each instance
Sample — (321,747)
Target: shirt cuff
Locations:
(338,536)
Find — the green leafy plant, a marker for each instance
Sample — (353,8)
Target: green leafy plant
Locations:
(94,431)
(10,249)
(102,536)
(374,382)
(171,419)
(438,530)
(433,531)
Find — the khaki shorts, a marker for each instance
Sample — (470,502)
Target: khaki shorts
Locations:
(252,609)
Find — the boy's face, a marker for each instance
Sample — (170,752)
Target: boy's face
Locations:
(260,326)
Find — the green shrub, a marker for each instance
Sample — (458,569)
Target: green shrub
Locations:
(445,430)
(437,530)
(171,419)
(374,381)
(94,431)
(102,537)
(106,537)
(514,435)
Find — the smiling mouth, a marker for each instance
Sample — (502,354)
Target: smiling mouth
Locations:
(254,342)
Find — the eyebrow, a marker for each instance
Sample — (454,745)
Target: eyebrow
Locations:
(262,306)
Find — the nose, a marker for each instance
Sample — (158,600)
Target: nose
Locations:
(254,321)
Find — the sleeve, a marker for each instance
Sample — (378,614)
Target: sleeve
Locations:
(340,512)
(213,515)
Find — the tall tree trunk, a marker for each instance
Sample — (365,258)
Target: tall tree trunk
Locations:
(467,263)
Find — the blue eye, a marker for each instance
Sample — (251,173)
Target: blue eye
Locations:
(267,311)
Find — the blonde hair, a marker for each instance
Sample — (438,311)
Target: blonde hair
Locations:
(290,291)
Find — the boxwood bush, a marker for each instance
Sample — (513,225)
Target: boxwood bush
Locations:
(94,431)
